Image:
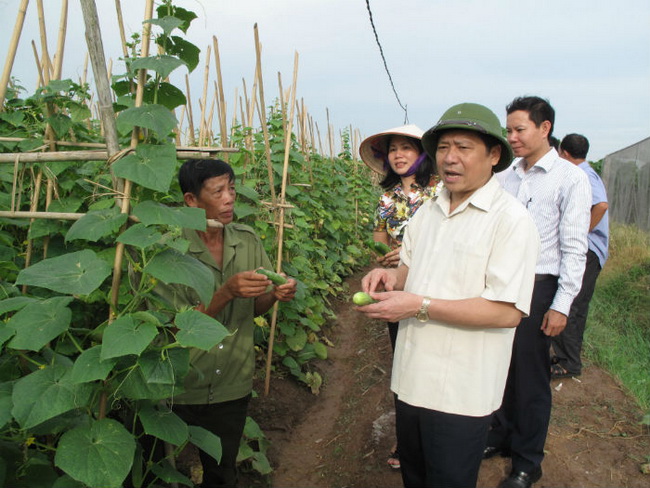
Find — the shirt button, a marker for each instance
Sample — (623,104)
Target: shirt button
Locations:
(218,371)
(220,346)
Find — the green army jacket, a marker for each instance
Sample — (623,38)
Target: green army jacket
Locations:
(226,371)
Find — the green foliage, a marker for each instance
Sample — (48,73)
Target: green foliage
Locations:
(618,332)
(77,389)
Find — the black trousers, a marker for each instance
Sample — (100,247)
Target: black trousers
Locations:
(521,424)
(568,345)
(226,420)
(439,449)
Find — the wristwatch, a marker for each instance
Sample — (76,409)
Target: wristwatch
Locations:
(423,313)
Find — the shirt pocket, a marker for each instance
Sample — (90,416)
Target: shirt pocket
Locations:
(467,278)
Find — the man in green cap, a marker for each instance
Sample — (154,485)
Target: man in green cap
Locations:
(464,282)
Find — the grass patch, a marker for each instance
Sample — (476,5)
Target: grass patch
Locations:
(617,337)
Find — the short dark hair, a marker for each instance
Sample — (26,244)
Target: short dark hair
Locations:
(538,110)
(194,172)
(576,145)
(422,174)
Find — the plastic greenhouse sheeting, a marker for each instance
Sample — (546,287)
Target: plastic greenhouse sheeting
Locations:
(626,174)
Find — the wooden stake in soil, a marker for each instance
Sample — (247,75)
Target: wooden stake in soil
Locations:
(283,188)
(11,54)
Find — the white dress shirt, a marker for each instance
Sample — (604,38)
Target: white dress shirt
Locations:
(487,247)
(558,196)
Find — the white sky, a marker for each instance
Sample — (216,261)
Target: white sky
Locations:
(590,58)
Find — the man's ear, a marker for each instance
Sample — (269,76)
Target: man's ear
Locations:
(190,199)
(495,154)
(546,127)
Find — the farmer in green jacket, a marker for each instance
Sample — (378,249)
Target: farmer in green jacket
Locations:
(219,384)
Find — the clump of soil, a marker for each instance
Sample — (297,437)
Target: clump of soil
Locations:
(343,436)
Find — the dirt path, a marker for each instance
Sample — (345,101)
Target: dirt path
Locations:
(341,438)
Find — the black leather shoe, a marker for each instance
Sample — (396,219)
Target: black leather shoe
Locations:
(522,479)
(491,451)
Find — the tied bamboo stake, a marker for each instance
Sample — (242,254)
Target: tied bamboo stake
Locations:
(283,188)
(262,111)
(221,103)
(11,55)
(126,201)
(204,99)
(63,27)
(46,63)
(190,118)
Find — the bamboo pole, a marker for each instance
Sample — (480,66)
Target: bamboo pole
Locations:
(11,54)
(190,120)
(262,111)
(73,216)
(63,27)
(126,201)
(120,23)
(204,98)
(39,69)
(283,188)
(46,62)
(223,127)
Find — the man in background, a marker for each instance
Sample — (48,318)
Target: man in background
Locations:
(568,345)
(558,197)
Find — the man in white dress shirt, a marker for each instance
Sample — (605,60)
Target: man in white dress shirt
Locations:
(465,279)
(558,197)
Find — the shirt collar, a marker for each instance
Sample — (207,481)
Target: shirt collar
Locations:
(481,198)
(545,163)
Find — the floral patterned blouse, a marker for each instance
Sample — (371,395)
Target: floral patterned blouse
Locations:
(395,208)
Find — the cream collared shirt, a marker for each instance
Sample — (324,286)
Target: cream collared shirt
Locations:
(487,247)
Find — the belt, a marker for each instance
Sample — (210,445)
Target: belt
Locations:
(544,277)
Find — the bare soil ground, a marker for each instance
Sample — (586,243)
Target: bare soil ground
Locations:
(342,437)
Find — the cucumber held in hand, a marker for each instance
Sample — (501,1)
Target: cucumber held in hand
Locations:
(276,278)
(361,298)
(378,247)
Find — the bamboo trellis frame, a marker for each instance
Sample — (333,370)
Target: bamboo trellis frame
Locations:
(51,69)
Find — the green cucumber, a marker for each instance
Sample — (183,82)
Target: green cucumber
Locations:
(361,298)
(378,247)
(276,278)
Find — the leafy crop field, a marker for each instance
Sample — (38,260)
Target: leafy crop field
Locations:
(83,366)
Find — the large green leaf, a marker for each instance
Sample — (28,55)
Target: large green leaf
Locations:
(126,336)
(164,424)
(46,393)
(139,235)
(157,368)
(187,16)
(167,95)
(97,224)
(76,273)
(89,366)
(298,340)
(199,330)
(206,441)
(150,212)
(135,386)
(168,474)
(5,404)
(150,166)
(40,322)
(168,23)
(154,117)
(185,50)
(67,482)
(99,454)
(60,123)
(6,332)
(163,64)
(173,267)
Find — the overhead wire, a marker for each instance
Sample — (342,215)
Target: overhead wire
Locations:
(381,51)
